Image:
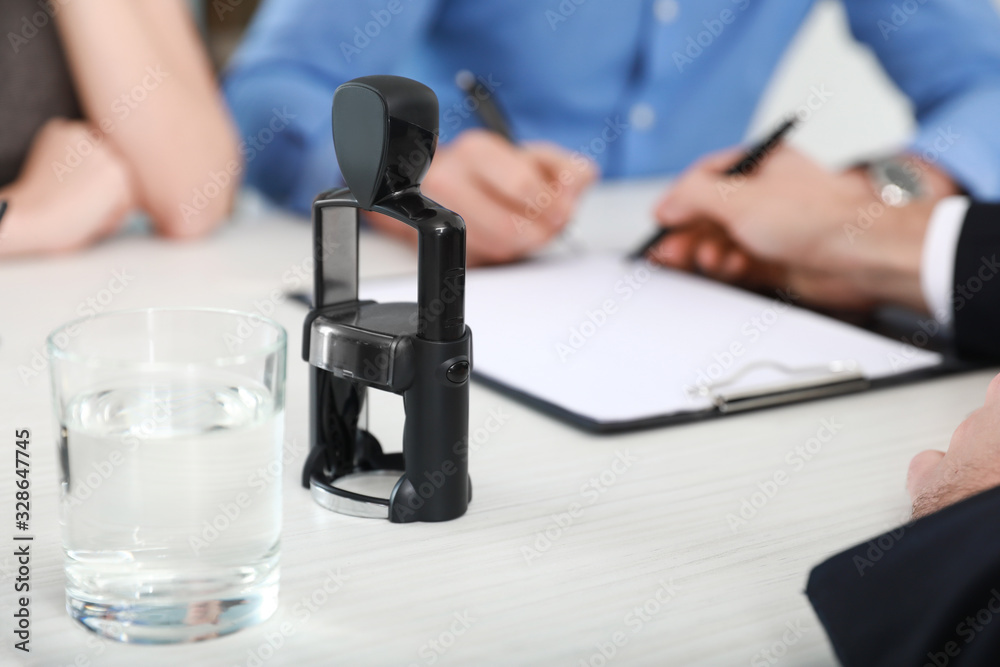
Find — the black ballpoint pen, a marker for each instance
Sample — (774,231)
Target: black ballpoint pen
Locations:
(487,109)
(490,113)
(746,166)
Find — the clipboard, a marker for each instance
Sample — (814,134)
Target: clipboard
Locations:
(611,346)
(724,406)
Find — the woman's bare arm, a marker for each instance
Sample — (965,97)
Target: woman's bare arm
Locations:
(144,79)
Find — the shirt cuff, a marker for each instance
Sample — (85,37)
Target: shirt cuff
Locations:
(937,266)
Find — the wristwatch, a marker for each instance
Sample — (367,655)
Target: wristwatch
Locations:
(896,181)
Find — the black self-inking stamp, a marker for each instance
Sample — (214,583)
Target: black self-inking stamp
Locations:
(385,131)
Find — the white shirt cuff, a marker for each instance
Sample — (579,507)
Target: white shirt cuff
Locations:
(937,266)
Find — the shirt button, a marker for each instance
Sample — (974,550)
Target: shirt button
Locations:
(642,116)
(666,11)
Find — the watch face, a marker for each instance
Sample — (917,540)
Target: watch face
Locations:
(893,195)
(897,173)
(895,182)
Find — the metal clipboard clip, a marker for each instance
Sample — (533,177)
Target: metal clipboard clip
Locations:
(804,383)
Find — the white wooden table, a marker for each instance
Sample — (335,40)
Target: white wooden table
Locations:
(645,565)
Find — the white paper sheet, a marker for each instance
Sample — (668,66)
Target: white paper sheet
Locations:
(613,340)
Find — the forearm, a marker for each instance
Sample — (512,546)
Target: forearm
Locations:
(143,79)
(877,248)
(886,261)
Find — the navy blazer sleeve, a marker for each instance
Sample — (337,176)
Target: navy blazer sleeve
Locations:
(976,297)
(927,593)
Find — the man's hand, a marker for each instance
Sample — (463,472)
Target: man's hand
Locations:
(790,207)
(514,199)
(796,225)
(56,207)
(971,465)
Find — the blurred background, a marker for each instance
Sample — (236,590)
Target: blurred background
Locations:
(865,115)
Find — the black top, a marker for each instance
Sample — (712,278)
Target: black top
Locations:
(925,593)
(976,297)
(35,82)
(929,593)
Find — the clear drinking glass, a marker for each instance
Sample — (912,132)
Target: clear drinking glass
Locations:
(170,432)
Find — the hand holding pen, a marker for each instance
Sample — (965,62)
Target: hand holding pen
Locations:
(515,198)
(746,166)
(785,226)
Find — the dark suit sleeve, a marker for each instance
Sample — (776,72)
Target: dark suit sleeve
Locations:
(927,593)
(976,296)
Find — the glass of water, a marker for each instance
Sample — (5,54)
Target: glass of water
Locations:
(170,437)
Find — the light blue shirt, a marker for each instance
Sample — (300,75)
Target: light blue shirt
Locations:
(643,87)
